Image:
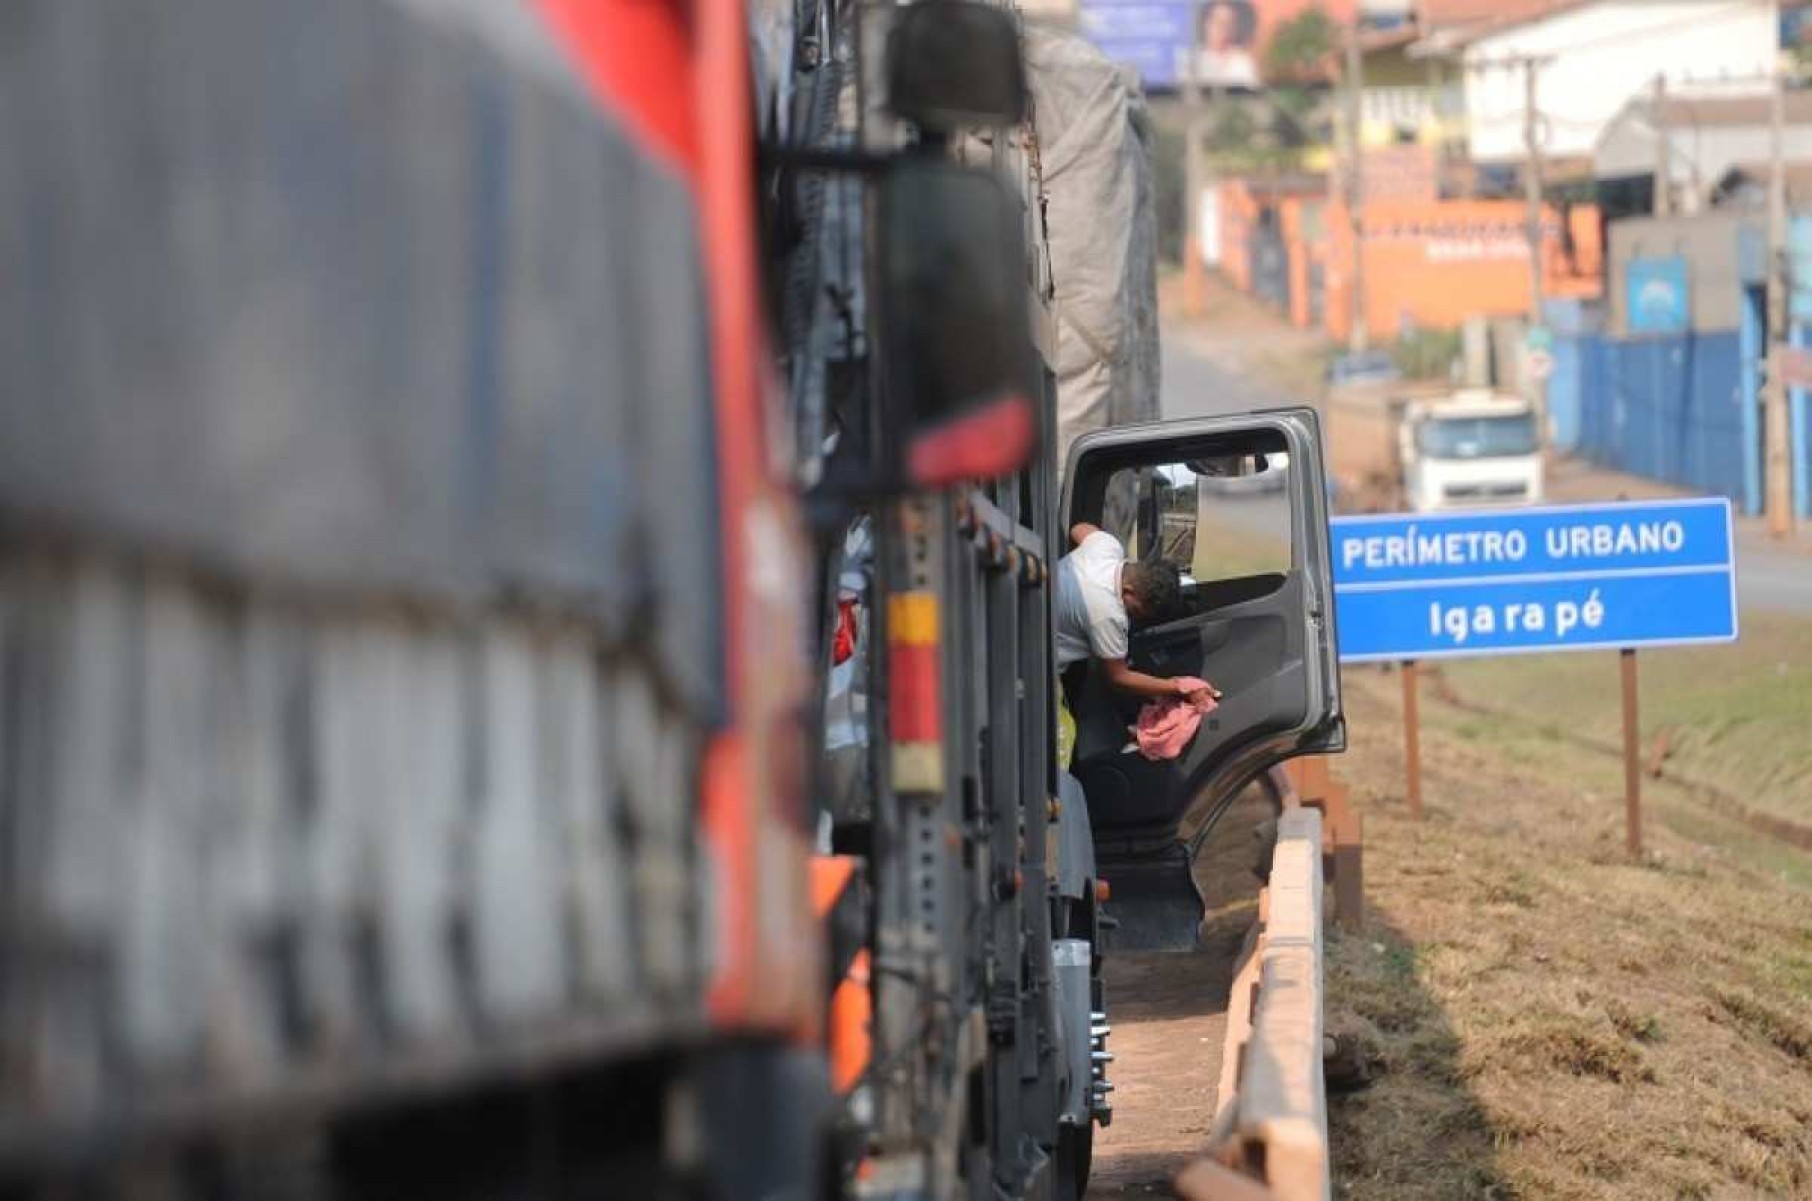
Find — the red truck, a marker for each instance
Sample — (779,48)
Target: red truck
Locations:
(435,434)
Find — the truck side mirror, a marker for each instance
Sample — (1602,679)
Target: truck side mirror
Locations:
(955,330)
(955,63)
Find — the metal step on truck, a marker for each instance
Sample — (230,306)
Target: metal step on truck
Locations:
(441,439)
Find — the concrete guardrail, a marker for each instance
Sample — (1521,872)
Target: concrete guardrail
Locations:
(1270,1137)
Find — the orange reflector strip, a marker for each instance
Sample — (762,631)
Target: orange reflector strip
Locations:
(913,695)
(851,1010)
(831,874)
(915,691)
(912,619)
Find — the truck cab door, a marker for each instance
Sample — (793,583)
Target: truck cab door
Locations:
(1239,505)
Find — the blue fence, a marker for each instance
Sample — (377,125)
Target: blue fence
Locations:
(1670,408)
(1575,326)
(1802,454)
(1801,410)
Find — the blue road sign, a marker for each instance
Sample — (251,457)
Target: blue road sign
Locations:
(1510,581)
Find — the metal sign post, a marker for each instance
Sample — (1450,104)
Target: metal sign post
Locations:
(1620,576)
(1412,738)
(1632,767)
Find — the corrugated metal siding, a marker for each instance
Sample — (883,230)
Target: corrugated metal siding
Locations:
(1666,408)
(1574,325)
(1801,409)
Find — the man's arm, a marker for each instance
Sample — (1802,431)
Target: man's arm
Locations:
(1124,679)
(1080,531)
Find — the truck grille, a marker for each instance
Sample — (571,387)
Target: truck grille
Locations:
(1507,490)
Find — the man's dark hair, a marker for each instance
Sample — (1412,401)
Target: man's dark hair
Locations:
(1159,587)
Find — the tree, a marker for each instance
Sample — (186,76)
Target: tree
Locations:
(1300,53)
(1301,48)
(1233,129)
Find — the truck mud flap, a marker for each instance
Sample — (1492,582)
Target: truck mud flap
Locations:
(1154,903)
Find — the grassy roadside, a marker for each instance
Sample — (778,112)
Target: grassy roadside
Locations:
(1737,717)
(1546,1019)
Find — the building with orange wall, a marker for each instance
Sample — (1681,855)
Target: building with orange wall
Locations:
(1251,212)
(1304,221)
(1252,206)
(1433,264)
(1429,264)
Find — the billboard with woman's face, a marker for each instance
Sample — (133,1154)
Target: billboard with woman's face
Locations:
(1224,40)
(1226,45)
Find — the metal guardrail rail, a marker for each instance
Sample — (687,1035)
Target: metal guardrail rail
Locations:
(1270,1137)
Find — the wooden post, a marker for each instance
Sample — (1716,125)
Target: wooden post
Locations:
(1412,739)
(1354,84)
(1534,132)
(1777,435)
(1632,756)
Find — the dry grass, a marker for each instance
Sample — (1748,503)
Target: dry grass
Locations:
(1547,1019)
(1739,717)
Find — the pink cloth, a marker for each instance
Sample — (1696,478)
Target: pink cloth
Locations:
(1165,727)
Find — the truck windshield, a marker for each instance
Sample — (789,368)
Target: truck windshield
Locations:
(1477,437)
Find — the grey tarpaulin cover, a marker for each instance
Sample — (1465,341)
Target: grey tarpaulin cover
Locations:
(1103,237)
(365,296)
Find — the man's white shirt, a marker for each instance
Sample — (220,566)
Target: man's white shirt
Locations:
(1089,616)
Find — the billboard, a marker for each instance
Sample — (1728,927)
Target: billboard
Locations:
(1796,27)
(1225,39)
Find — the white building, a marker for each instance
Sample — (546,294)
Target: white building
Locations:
(1715,145)
(1592,57)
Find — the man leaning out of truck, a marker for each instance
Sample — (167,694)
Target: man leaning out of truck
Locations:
(1099,595)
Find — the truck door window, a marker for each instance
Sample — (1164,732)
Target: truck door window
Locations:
(1252,546)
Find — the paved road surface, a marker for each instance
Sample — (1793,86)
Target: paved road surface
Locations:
(1769,578)
(1194,385)
(1168,1012)
(1772,579)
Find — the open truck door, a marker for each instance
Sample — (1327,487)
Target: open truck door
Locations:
(1239,505)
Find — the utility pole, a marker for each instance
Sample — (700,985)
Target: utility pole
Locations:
(1532,181)
(1194,172)
(1355,183)
(1664,179)
(1532,173)
(1778,485)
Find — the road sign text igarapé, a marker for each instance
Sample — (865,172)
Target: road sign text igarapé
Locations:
(1628,574)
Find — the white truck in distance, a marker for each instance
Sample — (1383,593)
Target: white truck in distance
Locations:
(1474,447)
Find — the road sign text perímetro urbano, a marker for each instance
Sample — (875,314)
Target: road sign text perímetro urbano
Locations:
(1505,581)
